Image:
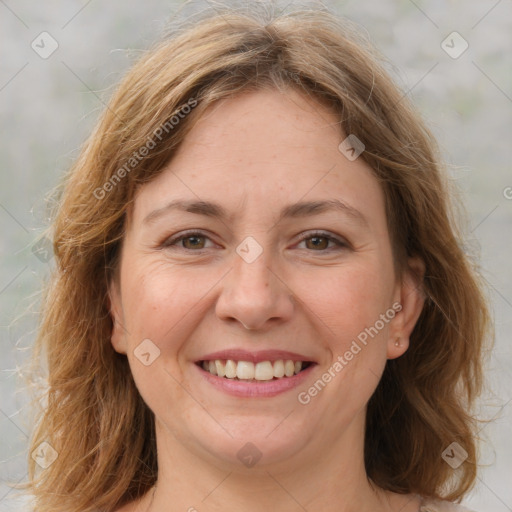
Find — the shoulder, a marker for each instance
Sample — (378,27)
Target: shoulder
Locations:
(431,505)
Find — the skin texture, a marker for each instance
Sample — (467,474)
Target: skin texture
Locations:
(255,154)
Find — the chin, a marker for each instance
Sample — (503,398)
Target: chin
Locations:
(255,443)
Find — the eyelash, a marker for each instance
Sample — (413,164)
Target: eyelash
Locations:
(170,242)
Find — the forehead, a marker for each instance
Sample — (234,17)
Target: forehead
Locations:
(261,148)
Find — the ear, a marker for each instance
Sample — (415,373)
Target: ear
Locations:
(411,297)
(118,338)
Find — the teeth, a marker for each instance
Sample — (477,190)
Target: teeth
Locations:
(221,368)
(264,371)
(246,370)
(230,369)
(279,368)
(289,368)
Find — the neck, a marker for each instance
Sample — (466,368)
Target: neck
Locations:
(332,479)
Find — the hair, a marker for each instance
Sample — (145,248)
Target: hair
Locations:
(94,416)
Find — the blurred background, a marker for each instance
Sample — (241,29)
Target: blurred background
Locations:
(58,64)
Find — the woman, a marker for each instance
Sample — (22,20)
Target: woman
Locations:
(260,302)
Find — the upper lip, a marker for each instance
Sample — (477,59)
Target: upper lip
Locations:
(236,354)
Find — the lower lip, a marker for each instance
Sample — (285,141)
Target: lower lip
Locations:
(255,389)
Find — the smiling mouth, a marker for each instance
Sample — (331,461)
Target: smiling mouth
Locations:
(249,371)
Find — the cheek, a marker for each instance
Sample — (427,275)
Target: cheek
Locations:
(161,304)
(351,299)
(158,296)
(165,303)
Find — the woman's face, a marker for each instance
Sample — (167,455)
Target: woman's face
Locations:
(261,243)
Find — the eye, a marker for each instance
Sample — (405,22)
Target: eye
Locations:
(191,240)
(319,241)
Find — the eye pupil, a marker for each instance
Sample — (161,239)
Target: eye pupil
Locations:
(316,244)
(187,239)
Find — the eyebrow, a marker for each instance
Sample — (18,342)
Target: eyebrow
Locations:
(301,209)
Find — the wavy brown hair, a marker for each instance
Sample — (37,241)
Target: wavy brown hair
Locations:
(94,416)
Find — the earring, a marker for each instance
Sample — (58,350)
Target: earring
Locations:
(397,342)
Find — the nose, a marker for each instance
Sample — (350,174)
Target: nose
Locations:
(254,295)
